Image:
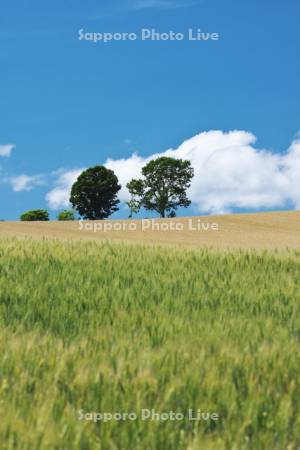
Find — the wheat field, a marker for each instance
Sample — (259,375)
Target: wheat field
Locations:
(95,326)
(275,230)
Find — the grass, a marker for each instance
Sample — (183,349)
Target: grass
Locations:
(104,327)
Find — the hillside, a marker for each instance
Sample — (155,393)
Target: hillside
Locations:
(260,231)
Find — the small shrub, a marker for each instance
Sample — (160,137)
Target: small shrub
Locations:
(66,215)
(35,215)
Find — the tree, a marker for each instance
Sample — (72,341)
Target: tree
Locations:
(35,215)
(134,208)
(94,194)
(164,185)
(135,188)
(66,215)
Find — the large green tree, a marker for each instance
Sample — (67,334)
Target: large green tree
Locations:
(94,194)
(163,186)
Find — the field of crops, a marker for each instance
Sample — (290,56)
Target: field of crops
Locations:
(261,231)
(94,327)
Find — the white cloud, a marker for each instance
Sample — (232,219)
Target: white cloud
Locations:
(59,196)
(229,173)
(291,169)
(25,182)
(126,169)
(5,150)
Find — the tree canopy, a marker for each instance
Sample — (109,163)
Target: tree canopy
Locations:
(163,186)
(94,194)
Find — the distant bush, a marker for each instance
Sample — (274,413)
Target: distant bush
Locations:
(35,215)
(66,215)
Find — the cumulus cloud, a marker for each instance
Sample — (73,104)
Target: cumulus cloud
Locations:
(5,150)
(230,173)
(25,182)
(59,196)
(133,167)
(291,169)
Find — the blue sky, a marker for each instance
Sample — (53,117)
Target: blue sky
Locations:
(67,104)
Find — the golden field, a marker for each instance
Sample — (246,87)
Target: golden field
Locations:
(272,230)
